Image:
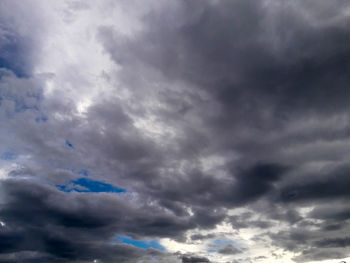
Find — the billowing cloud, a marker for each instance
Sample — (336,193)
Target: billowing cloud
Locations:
(185,131)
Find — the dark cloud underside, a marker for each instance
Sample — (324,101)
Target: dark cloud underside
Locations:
(205,110)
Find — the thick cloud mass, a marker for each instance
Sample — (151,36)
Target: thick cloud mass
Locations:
(222,128)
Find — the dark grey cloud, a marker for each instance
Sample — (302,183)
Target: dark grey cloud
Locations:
(317,254)
(241,54)
(193,259)
(21,34)
(230,250)
(42,219)
(333,242)
(210,106)
(333,185)
(36,205)
(242,221)
(201,237)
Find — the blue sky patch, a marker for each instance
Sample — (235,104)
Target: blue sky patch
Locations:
(69,144)
(144,244)
(85,185)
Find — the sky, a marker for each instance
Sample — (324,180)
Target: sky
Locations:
(212,131)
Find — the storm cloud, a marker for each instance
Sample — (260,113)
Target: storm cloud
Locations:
(174,131)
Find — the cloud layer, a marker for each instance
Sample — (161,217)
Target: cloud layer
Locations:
(216,130)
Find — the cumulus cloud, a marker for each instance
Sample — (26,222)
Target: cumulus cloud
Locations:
(220,126)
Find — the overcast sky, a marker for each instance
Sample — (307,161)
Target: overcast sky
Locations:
(185,131)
